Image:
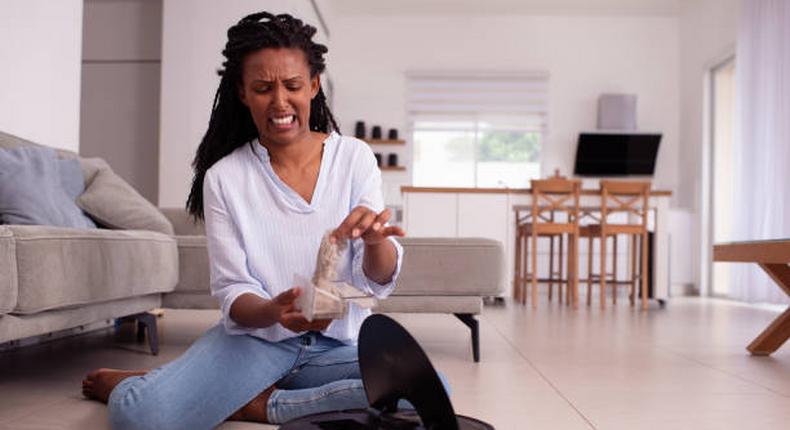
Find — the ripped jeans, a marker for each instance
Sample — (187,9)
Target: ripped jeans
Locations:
(220,373)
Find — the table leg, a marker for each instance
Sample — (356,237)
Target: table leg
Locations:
(779,331)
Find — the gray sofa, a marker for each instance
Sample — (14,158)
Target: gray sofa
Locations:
(439,275)
(56,278)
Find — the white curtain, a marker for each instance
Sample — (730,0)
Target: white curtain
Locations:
(762,194)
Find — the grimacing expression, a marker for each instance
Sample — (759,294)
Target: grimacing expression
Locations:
(277,88)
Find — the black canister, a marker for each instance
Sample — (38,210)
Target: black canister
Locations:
(392,160)
(378,158)
(359,130)
(393,134)
(376,133)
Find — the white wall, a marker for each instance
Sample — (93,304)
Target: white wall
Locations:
(193,35)
(708,31)
(584,55)
(40,50)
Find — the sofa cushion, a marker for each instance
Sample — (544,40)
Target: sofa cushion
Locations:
(8,289)
(9,141)
(90,167)
(115,204)
(183,223)
(38,188)
(193,264)
(451,267)
(61,267)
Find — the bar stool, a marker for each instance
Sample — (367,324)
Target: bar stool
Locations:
(630,198)
(523,231)
(592,232)
(555,196)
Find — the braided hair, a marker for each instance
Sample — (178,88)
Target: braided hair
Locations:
(231,124)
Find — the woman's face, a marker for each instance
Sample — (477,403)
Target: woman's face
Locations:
(277,88)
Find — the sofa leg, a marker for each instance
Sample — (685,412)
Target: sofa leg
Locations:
(146,321)
(473,325)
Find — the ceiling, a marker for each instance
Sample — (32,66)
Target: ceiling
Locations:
(492,7)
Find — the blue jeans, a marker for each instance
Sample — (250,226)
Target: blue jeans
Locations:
(220,373)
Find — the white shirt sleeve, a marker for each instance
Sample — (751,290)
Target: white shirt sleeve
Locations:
(366,191)
(229,275)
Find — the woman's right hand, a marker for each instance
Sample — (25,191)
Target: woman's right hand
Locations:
(291,318)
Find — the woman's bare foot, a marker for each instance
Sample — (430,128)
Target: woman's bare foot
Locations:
(255,410)
(99,383)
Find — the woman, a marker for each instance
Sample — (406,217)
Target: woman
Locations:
(271,176)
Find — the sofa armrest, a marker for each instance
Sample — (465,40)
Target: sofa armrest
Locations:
(183,224)
(8,274)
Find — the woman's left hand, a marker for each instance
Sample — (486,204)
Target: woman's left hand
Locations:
(366,223)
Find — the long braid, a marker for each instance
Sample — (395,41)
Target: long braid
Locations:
(231,125)
(321,118)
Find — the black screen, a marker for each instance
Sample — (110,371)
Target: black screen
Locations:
(600,154)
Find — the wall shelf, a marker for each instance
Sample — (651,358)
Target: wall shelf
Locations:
(385,142)
(393,168)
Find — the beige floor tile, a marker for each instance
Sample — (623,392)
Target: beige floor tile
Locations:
(609,409)
(70,413)
(16,402)
(684,366)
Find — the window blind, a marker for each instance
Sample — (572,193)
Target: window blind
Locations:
(520,96)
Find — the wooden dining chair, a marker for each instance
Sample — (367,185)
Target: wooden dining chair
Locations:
(630,198)
(555,196)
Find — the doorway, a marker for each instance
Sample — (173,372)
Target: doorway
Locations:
(722,121)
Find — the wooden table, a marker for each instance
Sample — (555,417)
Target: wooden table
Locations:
(774,257)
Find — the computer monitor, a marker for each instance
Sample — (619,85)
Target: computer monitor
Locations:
(616,154)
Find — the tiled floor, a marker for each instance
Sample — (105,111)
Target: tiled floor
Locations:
(682,367)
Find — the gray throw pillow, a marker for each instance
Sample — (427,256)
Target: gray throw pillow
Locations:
(112,202)
(36,188)
(71,178)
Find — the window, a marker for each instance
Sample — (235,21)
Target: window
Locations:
(477,131)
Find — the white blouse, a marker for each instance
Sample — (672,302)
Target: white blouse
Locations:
(261,233)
